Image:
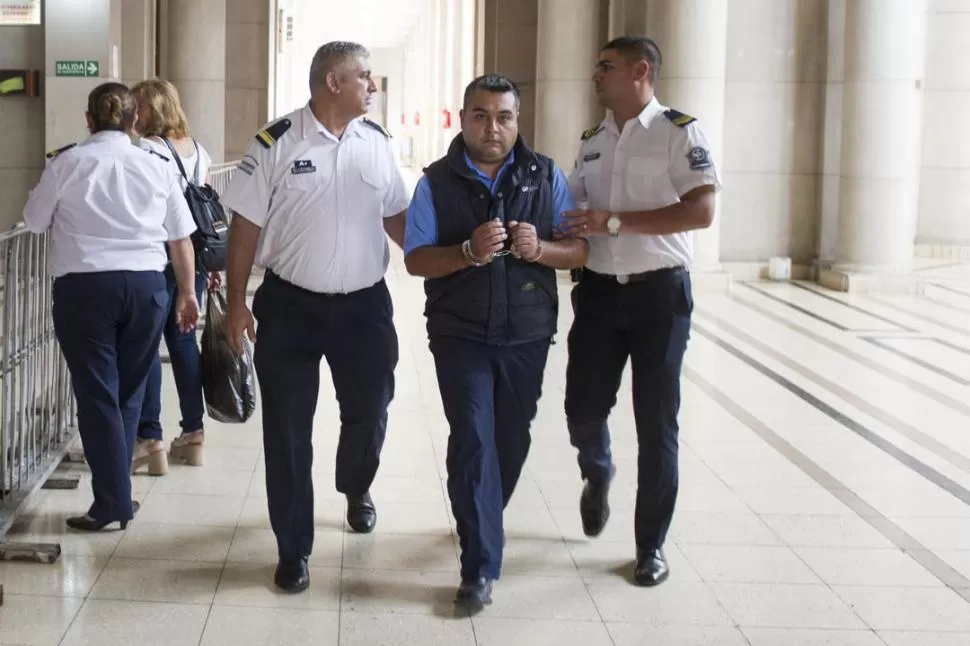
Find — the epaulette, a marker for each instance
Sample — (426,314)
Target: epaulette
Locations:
(376,126)
(157,154)
(592,132)
(54,153)
(679,118)
(268,136)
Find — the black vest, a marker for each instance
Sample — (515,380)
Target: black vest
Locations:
(508,301)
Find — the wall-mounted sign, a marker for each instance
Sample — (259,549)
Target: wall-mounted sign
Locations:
(19,12)
(77,68)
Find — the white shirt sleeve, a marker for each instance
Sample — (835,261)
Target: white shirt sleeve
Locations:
(179,223)
(249,191)
(39,210)
(396,199)
(691,162)
(577,187)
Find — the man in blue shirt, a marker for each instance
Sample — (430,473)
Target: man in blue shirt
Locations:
(480,229)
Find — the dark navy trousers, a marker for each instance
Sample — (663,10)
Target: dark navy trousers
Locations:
(183,352)
(109,325)
(490,396)
(296,329)
(649,322)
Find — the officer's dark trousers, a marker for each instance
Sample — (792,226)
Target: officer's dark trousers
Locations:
(649,322)
(296,329)
(490,396)
(109,325)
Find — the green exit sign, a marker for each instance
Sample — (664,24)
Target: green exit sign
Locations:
(77,68)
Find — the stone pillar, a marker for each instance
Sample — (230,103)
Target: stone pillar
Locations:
(568,42)
(248,61)
(196,64)
(137,41)
(692,81)
(881,138)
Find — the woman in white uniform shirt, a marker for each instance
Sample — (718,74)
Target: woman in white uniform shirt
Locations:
(160,120)
(111,207)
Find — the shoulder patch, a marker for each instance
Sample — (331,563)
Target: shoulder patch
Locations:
(157,154)
(376,126)
(54,153)
(679,119)
(592,132)
(268,136)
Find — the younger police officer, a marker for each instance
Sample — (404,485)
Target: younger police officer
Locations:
(648,176)
(491,313)
(314,195)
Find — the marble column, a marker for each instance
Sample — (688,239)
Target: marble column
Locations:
(196,64)
(881,137)
(137,41)
(568,42)
(692,36)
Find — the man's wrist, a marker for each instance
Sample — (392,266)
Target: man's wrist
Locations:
(538,255)
(466,251)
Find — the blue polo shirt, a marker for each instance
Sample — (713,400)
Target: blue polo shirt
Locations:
(421,222)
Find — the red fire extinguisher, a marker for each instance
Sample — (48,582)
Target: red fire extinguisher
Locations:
(446,119)
(417,118)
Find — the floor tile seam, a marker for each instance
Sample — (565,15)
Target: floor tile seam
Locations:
(950,578)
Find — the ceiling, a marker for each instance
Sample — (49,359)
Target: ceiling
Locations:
(373,23)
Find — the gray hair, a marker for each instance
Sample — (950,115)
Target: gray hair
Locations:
(330,56)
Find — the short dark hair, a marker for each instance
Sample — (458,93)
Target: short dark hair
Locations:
(491,83)
(639,48)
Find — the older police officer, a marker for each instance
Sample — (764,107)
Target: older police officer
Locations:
(314,195)
(648,176)
(491,311)
(111,207)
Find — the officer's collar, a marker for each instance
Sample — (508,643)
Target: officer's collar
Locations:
(110,135)
(312,126)
(646,115)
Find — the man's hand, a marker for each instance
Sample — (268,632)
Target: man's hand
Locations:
(584,222)
(525,241)
(488,239)
(213,281)
(239,321)
(186,312)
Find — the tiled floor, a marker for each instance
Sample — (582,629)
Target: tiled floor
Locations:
(825,501)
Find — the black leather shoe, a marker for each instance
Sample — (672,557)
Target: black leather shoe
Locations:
(292,576)
(473,596)
(594,505)
(361,513)
(86,523)
(651,568)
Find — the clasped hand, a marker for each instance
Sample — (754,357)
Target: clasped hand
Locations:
(489,239)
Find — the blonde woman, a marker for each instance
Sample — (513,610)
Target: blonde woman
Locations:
(164,129)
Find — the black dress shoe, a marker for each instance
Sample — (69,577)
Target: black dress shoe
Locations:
(473,596)
(86,523)
(594,505)
(361,513)
(292,576)
(651,568)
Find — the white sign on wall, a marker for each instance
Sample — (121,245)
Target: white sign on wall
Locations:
(19,12)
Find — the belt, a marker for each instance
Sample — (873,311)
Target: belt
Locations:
(626,279)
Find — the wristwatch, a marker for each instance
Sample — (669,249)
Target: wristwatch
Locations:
(613,224)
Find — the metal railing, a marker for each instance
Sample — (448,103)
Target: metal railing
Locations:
(37,408)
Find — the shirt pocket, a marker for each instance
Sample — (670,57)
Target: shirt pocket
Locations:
(648,179)
(372,188)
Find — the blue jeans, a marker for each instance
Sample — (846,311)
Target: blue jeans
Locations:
(183,350)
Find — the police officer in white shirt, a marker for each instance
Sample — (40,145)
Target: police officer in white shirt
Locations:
(314,196)
(647,175)
(111,207)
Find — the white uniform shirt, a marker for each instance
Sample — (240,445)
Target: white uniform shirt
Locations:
(320,202)
(110,205)
(651,164)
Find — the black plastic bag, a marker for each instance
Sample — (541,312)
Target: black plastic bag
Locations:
(228,380)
